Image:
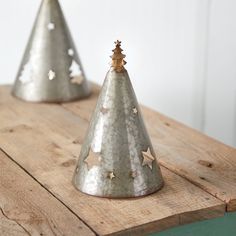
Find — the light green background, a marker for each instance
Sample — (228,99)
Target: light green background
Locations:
(223,226)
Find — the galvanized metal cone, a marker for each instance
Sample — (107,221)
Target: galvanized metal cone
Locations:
(51,70)
(117,159)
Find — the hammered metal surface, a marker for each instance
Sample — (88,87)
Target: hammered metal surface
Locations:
(117,159)
(51,70)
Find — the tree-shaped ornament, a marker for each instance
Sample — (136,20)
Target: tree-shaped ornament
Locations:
(51,70)
(117,159)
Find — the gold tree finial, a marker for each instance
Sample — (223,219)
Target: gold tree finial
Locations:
(118,61)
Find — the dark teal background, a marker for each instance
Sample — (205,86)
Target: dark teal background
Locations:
(223,226)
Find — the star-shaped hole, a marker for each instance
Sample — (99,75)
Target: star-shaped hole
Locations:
(77,169)
(133,174)
(148,158)
(71,52)
(77,79)
(26,74)
(51,75)
(93,159)
(135,110)
(111,175)
(51,26)
(104,110)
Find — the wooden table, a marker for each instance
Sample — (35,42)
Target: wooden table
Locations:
(39,146)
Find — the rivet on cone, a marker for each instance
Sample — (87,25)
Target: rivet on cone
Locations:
(117,159)
(51,70)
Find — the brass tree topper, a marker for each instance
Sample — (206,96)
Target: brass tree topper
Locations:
(118,61)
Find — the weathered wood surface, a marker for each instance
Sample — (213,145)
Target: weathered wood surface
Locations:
(9,227)
(45,140)
(206,162)
(26,208)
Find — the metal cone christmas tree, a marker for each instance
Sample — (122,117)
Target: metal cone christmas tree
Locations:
(51,70)
(117,159)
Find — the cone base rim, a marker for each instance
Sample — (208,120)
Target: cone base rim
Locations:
(56,101)
(122,197)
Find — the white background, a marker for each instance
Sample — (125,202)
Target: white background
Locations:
(181,54)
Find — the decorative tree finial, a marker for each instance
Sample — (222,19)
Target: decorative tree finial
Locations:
(118,61)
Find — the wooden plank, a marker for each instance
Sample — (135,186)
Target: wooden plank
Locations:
(26,208)
(9,227)
(206,162)
(45,140)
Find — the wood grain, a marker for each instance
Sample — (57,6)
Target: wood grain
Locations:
(9,227)
(206,162)
(26,208)
(46,140)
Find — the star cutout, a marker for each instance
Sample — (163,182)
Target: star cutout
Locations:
(51,75)
(133,174)
(93,159)
(51,26)
(148,158)
(77,169)
(26,74)
(104,110)
(71,52)
(111,175)
(77,79)
(135,111)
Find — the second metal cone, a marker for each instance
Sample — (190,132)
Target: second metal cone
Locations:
(117,159)
(51,70)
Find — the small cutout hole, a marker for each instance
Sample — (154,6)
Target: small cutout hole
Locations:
(71,52)
(51,26)
(76,73)
(26,74)
(51,75)
(135,110)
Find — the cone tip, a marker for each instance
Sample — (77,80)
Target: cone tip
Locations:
(118,43)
